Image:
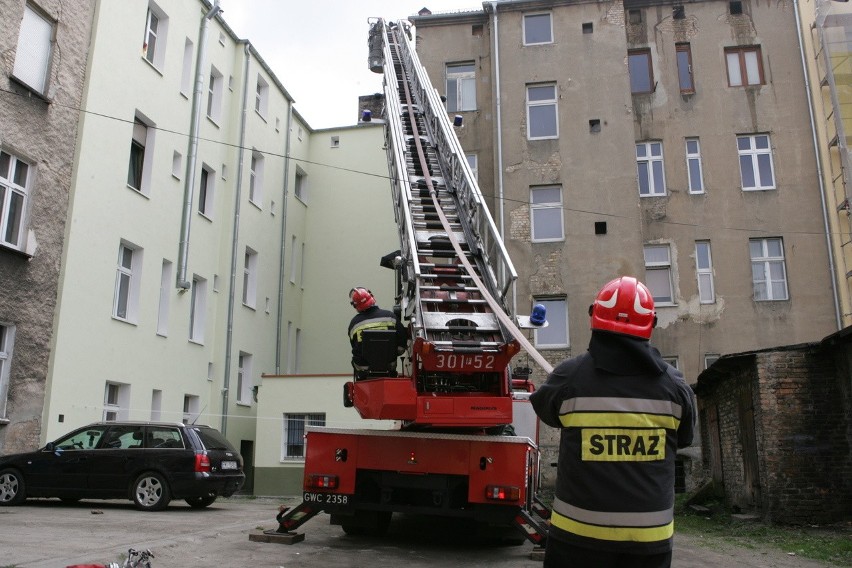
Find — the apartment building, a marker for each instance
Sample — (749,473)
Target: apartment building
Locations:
(44,47)
(667,140)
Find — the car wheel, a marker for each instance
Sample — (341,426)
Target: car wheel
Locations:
(200,502)
(151,492)
(12,487)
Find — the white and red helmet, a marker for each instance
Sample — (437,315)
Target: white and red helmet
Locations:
(625,306)
(361,298)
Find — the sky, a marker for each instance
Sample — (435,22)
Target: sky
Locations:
(318,48)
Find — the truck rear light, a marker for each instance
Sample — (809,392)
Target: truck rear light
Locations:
(502,493)
(318,481)
(202,463)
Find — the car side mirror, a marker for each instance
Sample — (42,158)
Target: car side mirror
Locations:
(49,447)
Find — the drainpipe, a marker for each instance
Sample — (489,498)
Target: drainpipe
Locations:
(229,335)
(822,189)
(498,113)
(192,151)
(279,324)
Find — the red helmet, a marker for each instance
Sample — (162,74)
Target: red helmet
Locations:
(624,305)
(361,299)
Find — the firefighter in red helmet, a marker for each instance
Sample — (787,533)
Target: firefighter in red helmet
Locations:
(370,317)
(623,413)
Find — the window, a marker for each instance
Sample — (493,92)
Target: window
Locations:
(297,354)
(546,217)
(256,178)
(684,68)
(156,405)
(116,401)
(537,29)
(294,433)
(756,170)
(649,164)
(198,309)
(156,31)
(127,276)
(32,56)
(186,70)
(678,12)
(141,155)
(302,268)
(165,290)
(672,360)
(206,186)
(293,256)
(704,272)
(710,358)
(261,97)
(14,195)
(88,439)
(555,335)
(214,95)
(658,273)
(244,378)
(768,272)
(473,162)
(335,141)
(745,66)
(191,408)
(461,87)
(250,278)
(301,188)
(7,341)
(641,72)
(542,112)
(177,165)
(289,361)
(693,166)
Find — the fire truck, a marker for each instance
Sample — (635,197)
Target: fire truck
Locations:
(466,441)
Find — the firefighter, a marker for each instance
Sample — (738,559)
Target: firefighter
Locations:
(370,316)
(623,412)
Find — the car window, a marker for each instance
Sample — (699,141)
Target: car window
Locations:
(83,440)
(164,437)
(213,440)
(123,436)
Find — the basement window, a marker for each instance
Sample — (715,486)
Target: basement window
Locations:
(588,27)
(678,12)
(736,8)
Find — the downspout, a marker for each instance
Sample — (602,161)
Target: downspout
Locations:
(229,335)
(822,189)
(192,151)
(498,113)
(280,322)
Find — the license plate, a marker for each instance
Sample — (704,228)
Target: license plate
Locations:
(327,498)
(229,465)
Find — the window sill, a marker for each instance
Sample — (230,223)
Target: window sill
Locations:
(287,460)
(39,95)
(137,191)
(200,343)
(122,320)
(552,347)
(16,252)
(250,307)
(213,121)
(665,304)
(204,216)
(258,113)
(545,241)
(245,404)
(653,195)
(154,67)
(758,189)
(4,421)
(543,138)
(301,200)
(256,204)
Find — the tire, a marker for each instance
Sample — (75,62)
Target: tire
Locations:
(13,489)
(151,492)
(200,502)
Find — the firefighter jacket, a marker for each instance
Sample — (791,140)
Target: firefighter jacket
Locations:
(623,412)
(373,318)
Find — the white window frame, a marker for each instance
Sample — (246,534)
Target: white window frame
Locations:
(542,209)
(245,380)
(556,335)
(186,68)
(694,167)
(704,272)
(191,408)
(198,309)
(650,166)
(250,278)
(34,51)
(13,220)
(672,360)
(655,265)
(7,346)
(256,168)
(125,305)
(294,430)
(533,106)
(297,353)
(165,293)
(143,136)
(461,86)
(116,401)
(754,151)
(261,97)
(710,358)
(537,16)
(293,257)
(155,54)
(206,191)
(156,405)
(764,270)
(300,187)
(214,95)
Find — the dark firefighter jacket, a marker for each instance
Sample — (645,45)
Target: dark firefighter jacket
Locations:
(373,318)
(623,412)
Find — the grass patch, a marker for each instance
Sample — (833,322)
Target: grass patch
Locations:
(830,544)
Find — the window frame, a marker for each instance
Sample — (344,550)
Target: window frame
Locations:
(754,154)
(659,266)
(7,348)
(206,191)
(11,188)
(300,185)
(768,261)
(261,97)
(705,271)
(739,54)
(245,380)
(117,407)
(132,274)
(460,80)
(684,73)
(293,433)
(198,309)
(651,160)
(257,162)
(25,56)
(537,15)
(156,55)
(250,264)
(215,89)
(549,302)
(694,178)
(141,150)
(635,85)
(191,407)
(540,103)
(546,206)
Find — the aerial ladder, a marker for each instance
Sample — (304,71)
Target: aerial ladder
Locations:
(466,445)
